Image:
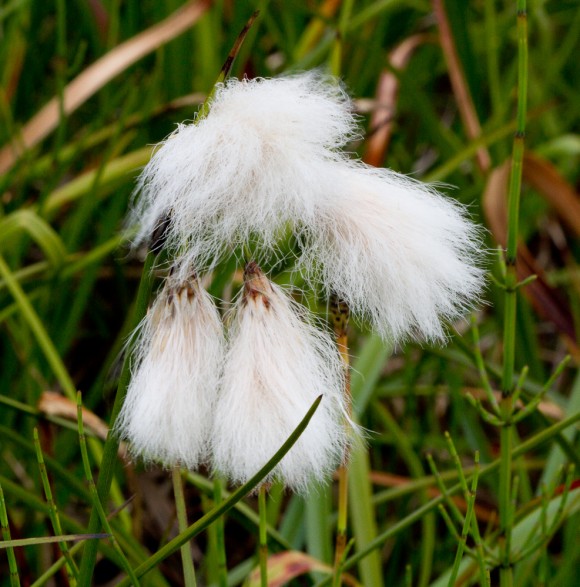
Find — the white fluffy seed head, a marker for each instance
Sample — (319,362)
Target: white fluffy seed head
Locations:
(246,169)
(277,364)
(178,359)
(398,252)
(266,160)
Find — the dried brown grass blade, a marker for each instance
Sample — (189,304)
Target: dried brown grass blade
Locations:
(459,85)
(544,177)
(94,77)
(55,404)
(546,300)
(386,100)
(227,66)
(290,564)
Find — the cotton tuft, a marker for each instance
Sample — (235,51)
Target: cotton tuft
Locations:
(277,364)
(395,250)
(179,353)
(245,172)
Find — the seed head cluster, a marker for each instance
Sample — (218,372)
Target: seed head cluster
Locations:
(269,160)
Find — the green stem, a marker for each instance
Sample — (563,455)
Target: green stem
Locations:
(97,505)
(263,533)
(71,568)
(61,74)
(340,316)
(186,560)
(492,43)
(220,535)
(112,443)
(507,404)
(12,565)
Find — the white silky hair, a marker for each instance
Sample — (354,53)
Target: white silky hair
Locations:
(399,253)
(179,350)
(268,159)
(246,169)
(277,364)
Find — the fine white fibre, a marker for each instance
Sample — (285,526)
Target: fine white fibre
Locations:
(179,354)
(399,253)
(276,366)
(246,170)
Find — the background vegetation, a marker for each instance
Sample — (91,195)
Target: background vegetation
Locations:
(88,86)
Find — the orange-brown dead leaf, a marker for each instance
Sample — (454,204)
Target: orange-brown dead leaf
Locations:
(544,177)
(55,404)
(287,565)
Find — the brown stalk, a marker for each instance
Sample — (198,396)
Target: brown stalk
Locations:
(340,315)
(94,77)
(459,85)
(381,124)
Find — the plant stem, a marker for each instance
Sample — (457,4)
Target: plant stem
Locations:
(220,535)
(263,533)
(186,560)
(340,315)
(507,404)
(12,565)
(71,568)
(97,505)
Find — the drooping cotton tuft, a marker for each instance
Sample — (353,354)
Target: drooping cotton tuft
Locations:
(277,364)
(246,170)
(179,353)
(399,253)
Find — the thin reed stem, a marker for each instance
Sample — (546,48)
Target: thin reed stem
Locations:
(12,564)
(508,387)
(97,505)
(71,568)
(186,560)
(220,535)
(263,536)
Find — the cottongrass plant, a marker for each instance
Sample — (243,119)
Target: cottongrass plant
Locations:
(266,158)
(277,363)
(178,358)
